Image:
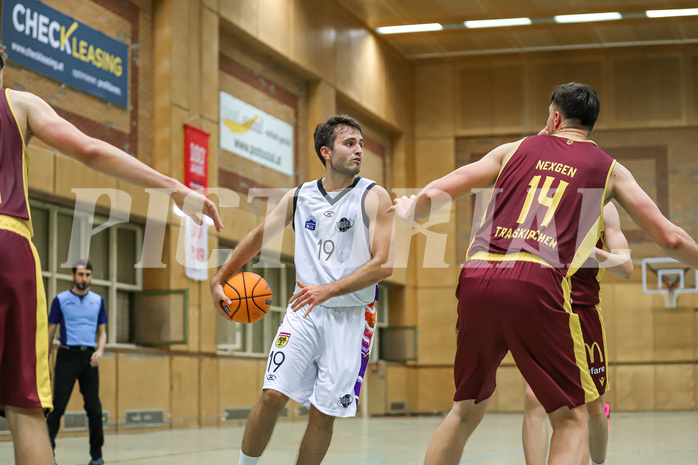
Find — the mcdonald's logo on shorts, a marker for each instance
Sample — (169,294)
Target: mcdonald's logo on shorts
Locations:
(591,351)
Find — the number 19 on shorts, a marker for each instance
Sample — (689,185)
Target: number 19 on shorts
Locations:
(276,358)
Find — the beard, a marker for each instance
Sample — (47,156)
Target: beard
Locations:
(345,171)
(81,286)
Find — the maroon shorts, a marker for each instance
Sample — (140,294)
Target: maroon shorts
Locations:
(24,375)
(520,307)
(591,320)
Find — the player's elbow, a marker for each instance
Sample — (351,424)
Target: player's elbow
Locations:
(673,239)
(626,271)
(87,153)
(385,269)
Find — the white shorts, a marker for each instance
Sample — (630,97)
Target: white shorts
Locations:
(321,359)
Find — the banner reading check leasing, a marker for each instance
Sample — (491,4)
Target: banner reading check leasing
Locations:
(54,44)
(251,133)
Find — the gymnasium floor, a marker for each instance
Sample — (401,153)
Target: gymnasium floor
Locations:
(636,439)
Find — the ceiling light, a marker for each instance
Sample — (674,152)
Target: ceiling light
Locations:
(583,18)
(498,22)
(670,13)
(409,28)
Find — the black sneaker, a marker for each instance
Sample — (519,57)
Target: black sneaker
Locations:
(97,461)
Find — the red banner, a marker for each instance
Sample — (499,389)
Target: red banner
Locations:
(195,158)
(196,177)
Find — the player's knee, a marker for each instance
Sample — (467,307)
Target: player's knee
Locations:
(565,417)
(317,416)
(596,409)
(273,400)
(468,411)
(531,398)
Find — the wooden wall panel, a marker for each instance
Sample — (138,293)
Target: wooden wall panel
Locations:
(107,385)
(136,201)
(397,386)
(276,27)
(509,394)
(242,13)
(71,174)
(143,383)
(656,76)
(491,97)
(42,175)
(239,382)
(162,66)
(374,390)
(314,49)
(348,48)
(675,387)
(372,167)
(183,43)
(635,388)
(437,313)
(674,333)
(435,389)
(692,71)
(509,93)
(695,382)
(185,392)
(210,412)
(634,326)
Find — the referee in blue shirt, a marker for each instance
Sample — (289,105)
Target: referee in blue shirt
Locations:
(82,316)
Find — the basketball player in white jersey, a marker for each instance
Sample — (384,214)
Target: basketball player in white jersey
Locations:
(343,236)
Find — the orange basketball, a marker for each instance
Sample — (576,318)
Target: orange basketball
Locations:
(250,295)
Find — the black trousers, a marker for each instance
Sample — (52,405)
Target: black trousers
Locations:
(74,364)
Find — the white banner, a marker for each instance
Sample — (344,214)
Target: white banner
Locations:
(196,250)
(250,133)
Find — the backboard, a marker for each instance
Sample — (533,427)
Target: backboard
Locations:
(669,277)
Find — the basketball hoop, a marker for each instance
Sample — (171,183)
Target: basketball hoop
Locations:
(670,295)
(670,278)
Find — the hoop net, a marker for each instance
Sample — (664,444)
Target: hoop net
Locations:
(670,295)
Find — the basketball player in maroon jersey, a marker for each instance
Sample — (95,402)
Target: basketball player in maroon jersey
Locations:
(612,252)
(541,224)
(25,389)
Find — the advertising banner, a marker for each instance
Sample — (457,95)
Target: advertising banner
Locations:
(195,158)
(196,177)
(55,45)
(251,133)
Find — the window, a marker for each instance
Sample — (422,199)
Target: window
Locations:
(113,253)
(256,338)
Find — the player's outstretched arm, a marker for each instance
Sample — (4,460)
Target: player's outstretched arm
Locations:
(47,125)
(454,185)
(617,259)
(250,246)
(675,242)
(377,269)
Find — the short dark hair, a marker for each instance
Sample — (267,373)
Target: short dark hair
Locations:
(577,102)
(326,133)
(86,263)
(3,56)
